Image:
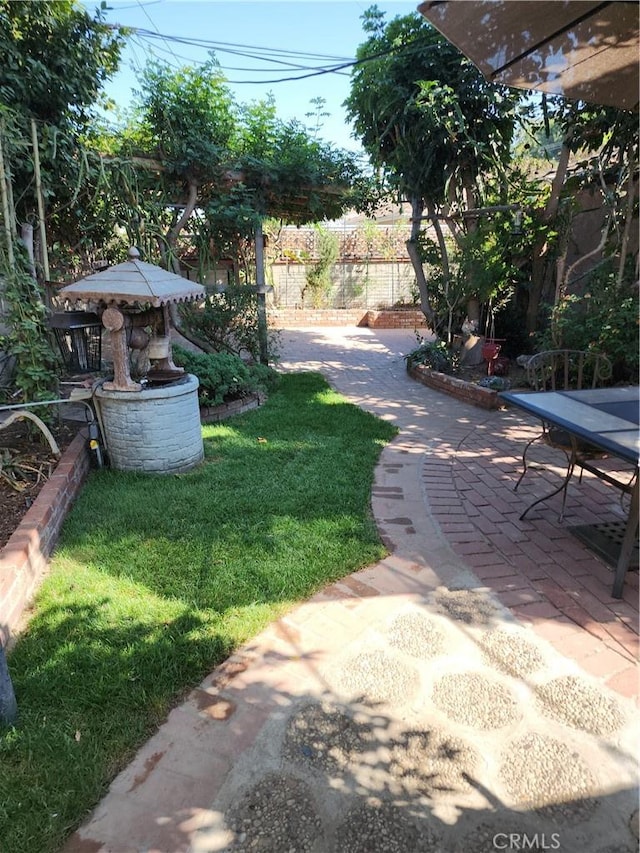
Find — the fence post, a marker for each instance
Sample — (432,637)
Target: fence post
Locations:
(8,704)
(261,295)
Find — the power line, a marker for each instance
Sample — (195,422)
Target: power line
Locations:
(229,47)
(146,14)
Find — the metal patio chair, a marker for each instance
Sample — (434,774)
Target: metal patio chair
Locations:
(566,370)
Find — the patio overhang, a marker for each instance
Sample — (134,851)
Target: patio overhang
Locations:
(582,50)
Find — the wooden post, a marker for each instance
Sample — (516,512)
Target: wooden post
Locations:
(38,176)
(113,321)
(12,208)
(8,704)
(5,205)
(261,295)
(26,235)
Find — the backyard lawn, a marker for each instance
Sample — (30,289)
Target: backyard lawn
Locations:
(157,579)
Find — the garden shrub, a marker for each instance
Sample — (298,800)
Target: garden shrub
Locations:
(433,354)
(604,318)
(318,272)
(228,322)
(224,376)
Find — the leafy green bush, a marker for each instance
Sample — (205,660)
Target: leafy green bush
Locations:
(433,354)
(318,272)
(604,319)
(228,322)
(27,341)
(224,376)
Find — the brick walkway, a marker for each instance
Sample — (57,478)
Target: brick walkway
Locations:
(471,461)
(537,566)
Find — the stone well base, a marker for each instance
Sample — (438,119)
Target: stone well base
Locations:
(155,430)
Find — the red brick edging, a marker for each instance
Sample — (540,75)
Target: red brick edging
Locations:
(214,414)
(23,559)
(485,398)
(385,318)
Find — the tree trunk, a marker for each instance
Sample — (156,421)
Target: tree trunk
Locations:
(540,248)
(172,261)
(446,270)
(174,233)
(632,189)
(471,203)
(413,250)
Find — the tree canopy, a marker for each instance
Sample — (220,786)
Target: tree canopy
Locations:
(211,168)
(431,124)
(188,157)
(55,60)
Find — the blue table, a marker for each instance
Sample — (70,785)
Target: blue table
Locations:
(605,417)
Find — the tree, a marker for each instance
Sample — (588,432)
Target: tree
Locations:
(213,169)
(55,59)
(193,169)
(598,148)
(316,116)
(432,126)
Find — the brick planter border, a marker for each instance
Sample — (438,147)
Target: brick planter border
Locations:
(23,560)
(485,398)
(214,414)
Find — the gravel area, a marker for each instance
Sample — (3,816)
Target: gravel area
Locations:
(544,773)
(417,635)
(277,814)
(577,703)
(475,700)
(470,606)
(511,652)
(377,677)
(324,738)
(382,828)
(432,763)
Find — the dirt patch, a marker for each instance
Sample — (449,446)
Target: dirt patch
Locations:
(26,463)
(515,375)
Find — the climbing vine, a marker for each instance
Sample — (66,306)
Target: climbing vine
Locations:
(27,340)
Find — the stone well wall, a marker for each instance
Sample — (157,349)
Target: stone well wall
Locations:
(156,430)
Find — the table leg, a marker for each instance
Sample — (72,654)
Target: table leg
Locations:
(571,463)
(627,544)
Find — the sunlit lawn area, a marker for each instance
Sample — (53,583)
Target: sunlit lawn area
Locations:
(157,579)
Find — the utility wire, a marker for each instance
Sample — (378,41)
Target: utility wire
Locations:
(228,47)
(189,59)
(223,46)
(148,17)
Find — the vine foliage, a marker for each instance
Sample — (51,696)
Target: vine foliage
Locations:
(28,338)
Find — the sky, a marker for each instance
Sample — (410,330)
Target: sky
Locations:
(290,31)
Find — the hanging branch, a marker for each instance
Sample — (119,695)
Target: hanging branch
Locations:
(632,188)
(563,275)
(5,202)
(40,197)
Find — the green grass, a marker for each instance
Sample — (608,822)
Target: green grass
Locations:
(157,579)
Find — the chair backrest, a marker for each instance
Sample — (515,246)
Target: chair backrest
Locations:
(566,369)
